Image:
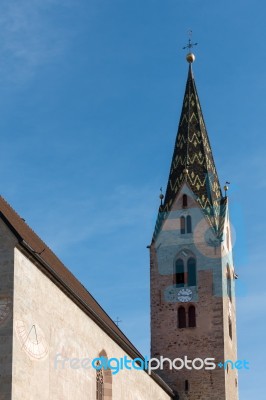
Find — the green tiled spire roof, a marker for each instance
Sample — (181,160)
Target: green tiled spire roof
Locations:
(192,159)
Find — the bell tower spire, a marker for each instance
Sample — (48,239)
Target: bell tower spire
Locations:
(192,158)
(191,267)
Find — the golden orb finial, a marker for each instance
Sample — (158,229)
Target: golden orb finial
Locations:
(190,58)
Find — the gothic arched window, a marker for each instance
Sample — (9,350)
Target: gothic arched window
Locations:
(179,273)
(228,238)
(181,317)
(230,328)
(192,272)
(184,201)
(183,225)
(103,380)
(229,283)
(189,224)
(99,383)
(191,317)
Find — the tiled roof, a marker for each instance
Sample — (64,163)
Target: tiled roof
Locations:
(193,152)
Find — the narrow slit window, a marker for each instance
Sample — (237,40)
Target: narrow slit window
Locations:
(186,386)
(99,384)
(189,224)
(192,272)
(228,238)
(230,328)
(181,317)
(229,283)
(184,202)
(183,225)
(192,317)
(179,273)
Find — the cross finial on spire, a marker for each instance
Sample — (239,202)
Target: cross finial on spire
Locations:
(190,45)
(190,56)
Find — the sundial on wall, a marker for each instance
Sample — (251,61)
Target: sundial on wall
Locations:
(32,340)
(5,309)
(210,246)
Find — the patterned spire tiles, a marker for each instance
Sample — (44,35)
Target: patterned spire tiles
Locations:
(193,152)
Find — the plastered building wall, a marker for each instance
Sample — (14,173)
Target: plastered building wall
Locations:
(43,314)
(7,243)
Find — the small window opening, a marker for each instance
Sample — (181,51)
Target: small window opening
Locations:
(192,317)
(181,317)
(184,203)
(183,225)
(229,283)
(191,269)
(179,273)
(99,384)
(189,224)
(230,328)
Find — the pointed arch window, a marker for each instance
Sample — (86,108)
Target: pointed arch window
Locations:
(184,201)
(183,225)
(229,283)
(228,239)
(179,273)
(192,317)
(182,317)
(99,383)
(103,380)
(189,224)
(230,328)
(185,269)
(191,271)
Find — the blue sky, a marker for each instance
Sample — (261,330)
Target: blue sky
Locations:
(90,98)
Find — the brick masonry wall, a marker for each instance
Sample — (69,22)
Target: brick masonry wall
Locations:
(210,337)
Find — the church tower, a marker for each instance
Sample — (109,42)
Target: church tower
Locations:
(192,271)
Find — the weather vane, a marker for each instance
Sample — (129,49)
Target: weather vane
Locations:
(190,45)
(190,56)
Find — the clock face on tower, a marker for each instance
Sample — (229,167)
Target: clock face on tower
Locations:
(184,295)
(32,340)
(5,309)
